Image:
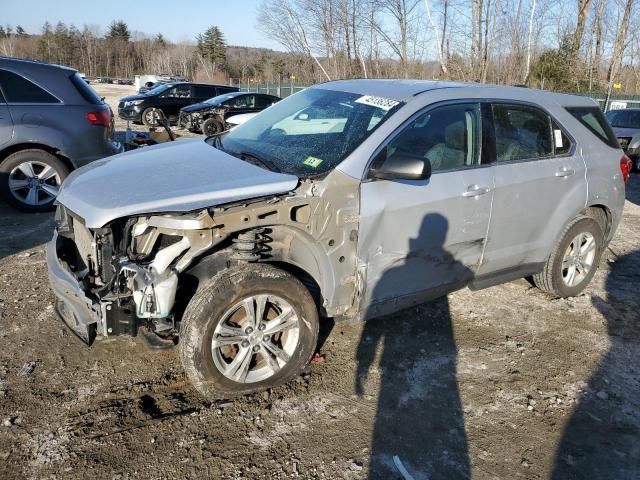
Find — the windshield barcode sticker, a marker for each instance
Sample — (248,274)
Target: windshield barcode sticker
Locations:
(558,138)
(385,104)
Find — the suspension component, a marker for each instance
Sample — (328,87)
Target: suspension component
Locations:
(249,246)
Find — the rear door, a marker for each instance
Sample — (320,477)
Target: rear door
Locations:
(6,123)
(175,98)
(539,185)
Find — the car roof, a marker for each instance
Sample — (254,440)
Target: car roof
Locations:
(407,90)
(20,64)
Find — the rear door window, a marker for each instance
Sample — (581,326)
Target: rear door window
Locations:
(522,132)
(264,102)
(18,89)
(593,119)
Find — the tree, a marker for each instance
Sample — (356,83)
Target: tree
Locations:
(118,30)
(160,41)
(212,46)
(20,31)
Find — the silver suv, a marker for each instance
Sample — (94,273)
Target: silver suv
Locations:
(351,199)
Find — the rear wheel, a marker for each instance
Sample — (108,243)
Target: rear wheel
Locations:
(574,259)
(249,328)
(30,179)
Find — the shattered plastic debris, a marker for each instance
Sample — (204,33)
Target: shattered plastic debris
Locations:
(27,369)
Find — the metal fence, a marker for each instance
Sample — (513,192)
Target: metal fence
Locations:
(283,90)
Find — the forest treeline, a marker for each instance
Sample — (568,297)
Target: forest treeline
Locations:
(578,46)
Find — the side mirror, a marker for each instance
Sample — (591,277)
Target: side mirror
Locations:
(303,116)
(402,166)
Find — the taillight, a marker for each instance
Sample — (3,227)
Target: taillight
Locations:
(101,118)
(625,167)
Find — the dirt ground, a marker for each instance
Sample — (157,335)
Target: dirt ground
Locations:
(503,383)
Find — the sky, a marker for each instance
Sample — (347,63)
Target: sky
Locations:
(175,19)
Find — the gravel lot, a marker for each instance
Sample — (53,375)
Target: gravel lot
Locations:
(503,383)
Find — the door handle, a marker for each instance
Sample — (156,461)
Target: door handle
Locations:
(475,191)
(565,172)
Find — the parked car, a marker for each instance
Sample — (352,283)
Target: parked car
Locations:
(51,122)
(167,99)
(425,188)
(209,117)
(234,120)
(626,126)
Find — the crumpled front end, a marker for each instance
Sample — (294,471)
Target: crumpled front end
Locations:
(113,280)
(190,120)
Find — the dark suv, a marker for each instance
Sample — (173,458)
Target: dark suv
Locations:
(51,122)
(167,98)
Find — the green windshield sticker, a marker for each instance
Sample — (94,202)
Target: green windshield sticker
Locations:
(313,162)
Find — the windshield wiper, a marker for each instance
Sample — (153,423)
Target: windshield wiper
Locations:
(255,160)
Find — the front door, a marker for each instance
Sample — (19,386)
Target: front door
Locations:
(6,123)
(422,239)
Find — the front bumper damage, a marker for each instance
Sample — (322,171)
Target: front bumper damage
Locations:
(190,121)
(100,291)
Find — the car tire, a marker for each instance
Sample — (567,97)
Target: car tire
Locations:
(574,259)
(30,179)
(211,126)
(217,331)
(150,116)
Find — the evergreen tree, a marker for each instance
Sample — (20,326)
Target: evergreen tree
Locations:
(118,30)
(3,34)
(160,41)
(212,46)
(20,31)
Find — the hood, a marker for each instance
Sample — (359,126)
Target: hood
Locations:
(240,118)
(172,177)
(199,106)
(133,97)
(625,132)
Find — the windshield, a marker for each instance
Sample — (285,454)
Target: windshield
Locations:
(308,133)
(220,98)
(158,89)
(624,118)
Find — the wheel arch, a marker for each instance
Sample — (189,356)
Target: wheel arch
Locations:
(602,215)
(4,153)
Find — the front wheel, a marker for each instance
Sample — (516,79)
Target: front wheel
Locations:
(250,328)
(211,126)
(574,260)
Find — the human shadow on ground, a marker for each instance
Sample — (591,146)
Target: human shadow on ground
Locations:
(602,438)
(419,416)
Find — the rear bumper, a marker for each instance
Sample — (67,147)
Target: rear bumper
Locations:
(81,314)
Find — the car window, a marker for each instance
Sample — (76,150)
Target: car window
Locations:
(624,118)
(200,91)
(242,101)
(521,133)
(264,102)
(593,119)
(223,90)
(179,91)
(449,136)
(88,93)
(561,142)
(18,89)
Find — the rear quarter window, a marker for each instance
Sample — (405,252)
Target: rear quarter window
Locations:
(85,90)
(593,119)
(18,89)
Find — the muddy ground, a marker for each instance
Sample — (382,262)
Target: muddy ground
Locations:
(504,383)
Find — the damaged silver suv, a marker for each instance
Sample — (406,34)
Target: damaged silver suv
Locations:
(351,199)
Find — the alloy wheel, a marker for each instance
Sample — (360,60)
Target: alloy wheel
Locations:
(578,259)
(34,183)
(255,339)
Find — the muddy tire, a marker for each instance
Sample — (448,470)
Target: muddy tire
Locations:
(574,259)
(249,328)
(30,179)
(150,116)
(211,126)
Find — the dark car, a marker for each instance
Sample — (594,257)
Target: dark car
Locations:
(51,122)
(626,125)
(167,100)
(209,116)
